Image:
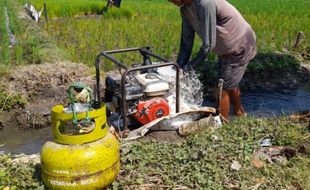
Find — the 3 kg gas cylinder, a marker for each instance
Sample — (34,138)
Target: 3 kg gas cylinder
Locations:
(80,161)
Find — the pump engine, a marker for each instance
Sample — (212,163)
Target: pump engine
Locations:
(145,96)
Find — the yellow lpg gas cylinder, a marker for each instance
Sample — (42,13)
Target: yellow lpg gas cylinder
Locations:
(80,161)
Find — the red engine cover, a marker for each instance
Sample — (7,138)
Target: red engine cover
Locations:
(152,109)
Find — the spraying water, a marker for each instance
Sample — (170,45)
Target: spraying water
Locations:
(191,89)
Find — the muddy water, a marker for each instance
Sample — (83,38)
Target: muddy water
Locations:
(266,103)
(29,141)
(271,103)
(276,102)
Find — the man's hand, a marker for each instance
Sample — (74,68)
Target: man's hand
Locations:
(184,67)
(187,67)
(192,65)
(181,74)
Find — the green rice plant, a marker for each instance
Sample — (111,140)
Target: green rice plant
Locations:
(112,32)
(157,23)
(103,34)
(276,23)
(16,55)
(33,45)
(4,38)
(68,8)
(117,13)
(11,53)
(14,26)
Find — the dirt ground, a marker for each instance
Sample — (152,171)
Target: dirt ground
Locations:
(165,136)
(302,117)
(42,86)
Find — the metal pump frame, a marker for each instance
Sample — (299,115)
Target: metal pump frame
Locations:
(146,53)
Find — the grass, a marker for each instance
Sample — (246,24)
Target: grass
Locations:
(69,8)
(201,161)
(4,70)
(4,37)
(9,101)
(33,45)
(17,176)
(273,62)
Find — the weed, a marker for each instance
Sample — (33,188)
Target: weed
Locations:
(7,101)
(17,176)
(276,62)
(201,162)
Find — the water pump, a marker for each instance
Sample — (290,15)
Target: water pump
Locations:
(136,95)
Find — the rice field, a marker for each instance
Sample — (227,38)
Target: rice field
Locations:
(157,24)
(32,43)
(68,8)
(17,53)
(83,28)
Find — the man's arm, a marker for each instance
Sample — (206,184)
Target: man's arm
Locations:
(207,15)
(186,43)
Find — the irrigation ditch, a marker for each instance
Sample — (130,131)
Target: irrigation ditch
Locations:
(276,88)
